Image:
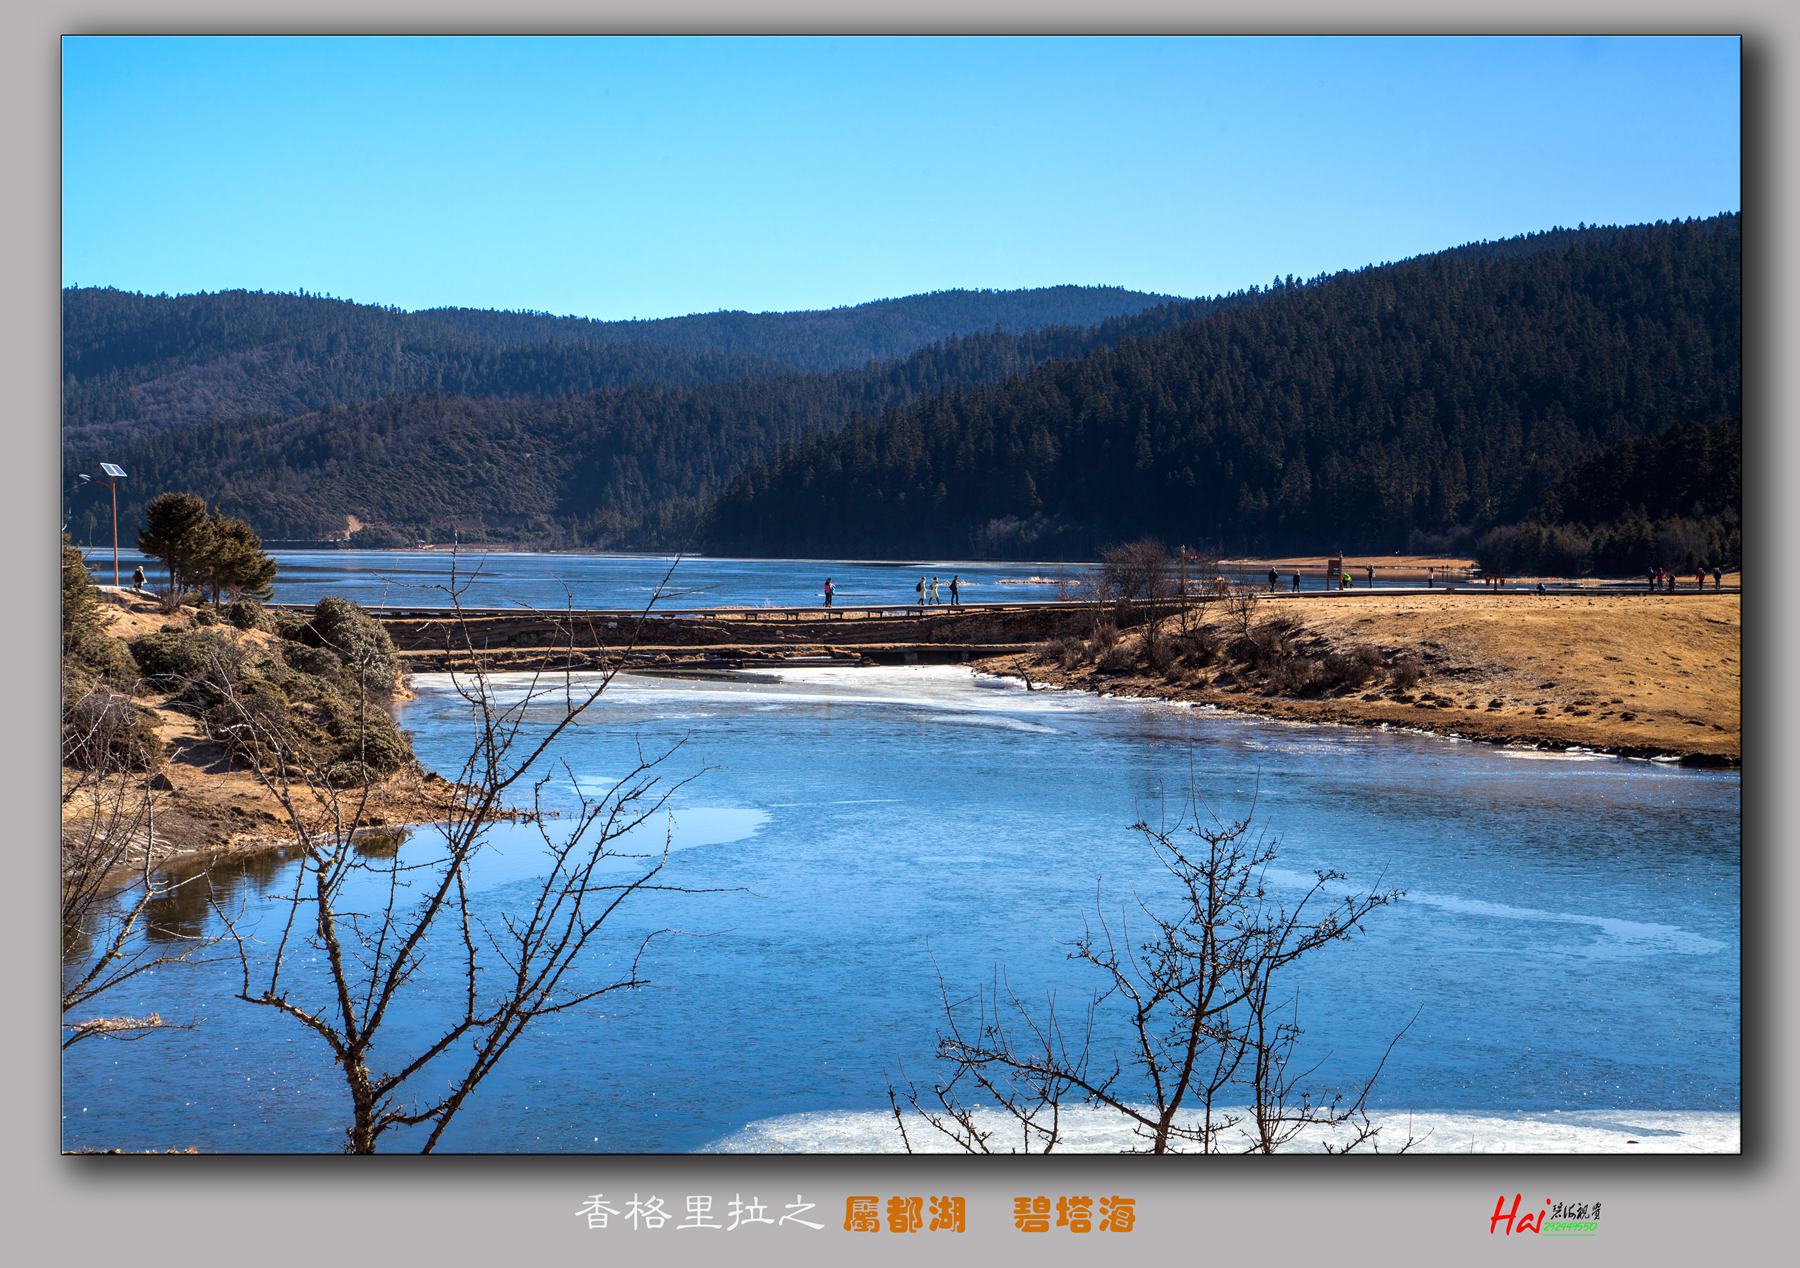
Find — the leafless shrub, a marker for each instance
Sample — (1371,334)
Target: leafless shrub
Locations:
(1201,644)
(1106,635)
(1210,1064)
(1406,671)
(102,730)
(1117,658)
(1136,572)
(1239,602)
(513,971)
(1069,652)
(1298,676)
(1160,653)
(1353,668)
(110,884)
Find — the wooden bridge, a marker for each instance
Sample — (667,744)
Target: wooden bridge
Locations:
(439,638)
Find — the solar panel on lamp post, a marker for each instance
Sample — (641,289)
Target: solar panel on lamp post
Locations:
(114,473)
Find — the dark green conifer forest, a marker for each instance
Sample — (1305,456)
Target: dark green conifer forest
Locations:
(1570,398)
(1592,381)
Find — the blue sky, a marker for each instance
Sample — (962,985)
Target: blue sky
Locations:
(614,177)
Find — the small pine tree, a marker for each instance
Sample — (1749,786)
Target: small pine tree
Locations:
(234,561)
(80,603)
(177,531)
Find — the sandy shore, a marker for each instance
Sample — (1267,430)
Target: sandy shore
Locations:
(1641,675)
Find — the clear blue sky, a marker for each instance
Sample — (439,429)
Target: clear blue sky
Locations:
(646,177)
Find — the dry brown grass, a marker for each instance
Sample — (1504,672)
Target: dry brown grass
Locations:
(210,806)
(1647,674)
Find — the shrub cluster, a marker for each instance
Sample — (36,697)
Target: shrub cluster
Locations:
(313,702)
(299,705)
(103,729)
(246,614)
(1273,651)
(364,653)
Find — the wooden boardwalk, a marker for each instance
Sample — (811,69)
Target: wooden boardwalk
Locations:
(769,615)
(519,638)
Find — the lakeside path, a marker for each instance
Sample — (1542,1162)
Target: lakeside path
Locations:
(1641,675)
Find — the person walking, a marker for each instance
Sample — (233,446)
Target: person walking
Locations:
(137,579)
(921,589)
(1700,577)
(1370,569)
(1718,577)
(829,591)
(956,591)
(1294,583)
(1651,578)
(1273,579)
(934,592)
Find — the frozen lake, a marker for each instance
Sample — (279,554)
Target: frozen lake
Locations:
(1569,939)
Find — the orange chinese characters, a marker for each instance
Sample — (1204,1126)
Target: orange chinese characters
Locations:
(949,1214)
(1117,1214)
(1075,1213)
(1032,1215)
(904,1214)
(862,1214)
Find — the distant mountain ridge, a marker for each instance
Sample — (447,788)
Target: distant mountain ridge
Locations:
(134,364)
(834,338)
(1418,404)
(620,466)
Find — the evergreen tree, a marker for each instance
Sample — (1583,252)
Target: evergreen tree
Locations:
(234,561)
(177,531)
(80,602)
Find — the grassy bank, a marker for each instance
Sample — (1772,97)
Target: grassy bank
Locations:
(1642,675)
(207,798)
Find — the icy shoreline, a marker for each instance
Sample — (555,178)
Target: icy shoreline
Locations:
(1436,1131)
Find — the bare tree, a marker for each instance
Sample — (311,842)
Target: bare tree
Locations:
(1196,588)
(110,881)
(372,916)
(1139,572)
(1240,606)
(1211,1043)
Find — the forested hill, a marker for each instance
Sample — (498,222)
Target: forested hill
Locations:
(1390,407)
(836,338)
(134,364)
(623,467)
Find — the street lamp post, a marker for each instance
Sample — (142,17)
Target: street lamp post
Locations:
(114,474)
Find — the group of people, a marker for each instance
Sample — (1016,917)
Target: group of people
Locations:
(1341,580)
(1665,581)
(928,594)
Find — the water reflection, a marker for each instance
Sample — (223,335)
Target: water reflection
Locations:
(183,910)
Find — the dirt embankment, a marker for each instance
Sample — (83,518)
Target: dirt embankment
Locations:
(1643,675)
(204,804)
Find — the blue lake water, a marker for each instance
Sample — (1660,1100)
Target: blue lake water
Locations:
(420,578)
(1569,940)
